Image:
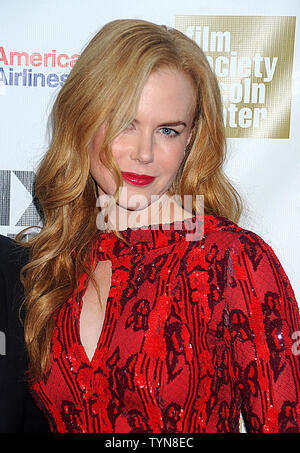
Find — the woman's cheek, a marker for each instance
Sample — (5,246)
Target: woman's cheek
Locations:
(174,156)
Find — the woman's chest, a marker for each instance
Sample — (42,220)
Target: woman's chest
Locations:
(158,352)
(155,329)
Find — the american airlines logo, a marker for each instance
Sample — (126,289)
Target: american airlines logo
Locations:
(25,69)
(16,203)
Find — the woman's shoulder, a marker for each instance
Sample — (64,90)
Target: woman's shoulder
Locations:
(224,242)
(234,254)
(223,233)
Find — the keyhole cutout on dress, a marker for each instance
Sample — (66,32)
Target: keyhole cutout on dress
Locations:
(92,314)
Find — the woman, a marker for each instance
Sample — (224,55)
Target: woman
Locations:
(144,314)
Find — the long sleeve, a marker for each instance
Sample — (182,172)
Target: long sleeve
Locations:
(261,325)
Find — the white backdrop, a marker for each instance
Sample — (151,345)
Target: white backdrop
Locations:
(265,170)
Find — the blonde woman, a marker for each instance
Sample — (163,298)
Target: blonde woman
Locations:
(145,313)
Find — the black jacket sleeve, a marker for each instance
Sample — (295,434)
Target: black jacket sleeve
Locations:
(18,413)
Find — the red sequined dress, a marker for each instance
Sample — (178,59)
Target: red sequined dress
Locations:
(199,325)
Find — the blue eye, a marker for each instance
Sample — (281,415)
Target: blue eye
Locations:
(169,132)
(130,127)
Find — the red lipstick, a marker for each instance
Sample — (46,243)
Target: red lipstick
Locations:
(137,180)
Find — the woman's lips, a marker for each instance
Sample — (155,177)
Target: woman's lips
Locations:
(138,180)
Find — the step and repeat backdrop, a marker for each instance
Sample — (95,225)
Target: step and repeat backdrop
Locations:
(253,47)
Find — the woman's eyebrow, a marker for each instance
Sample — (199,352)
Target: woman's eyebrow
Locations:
(174,123)
(171,123)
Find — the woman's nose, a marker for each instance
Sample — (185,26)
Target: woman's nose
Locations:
(143,148)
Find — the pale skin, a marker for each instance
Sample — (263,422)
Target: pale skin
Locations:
(154,144)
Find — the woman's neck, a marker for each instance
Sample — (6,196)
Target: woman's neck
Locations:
(163,210)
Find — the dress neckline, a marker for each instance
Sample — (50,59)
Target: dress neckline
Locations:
(148,237)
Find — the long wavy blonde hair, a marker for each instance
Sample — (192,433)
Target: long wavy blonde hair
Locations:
(105,85)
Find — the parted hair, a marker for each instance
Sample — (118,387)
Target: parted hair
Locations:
(105,85)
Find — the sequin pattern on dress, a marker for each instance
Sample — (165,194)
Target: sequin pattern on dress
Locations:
(195,332)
